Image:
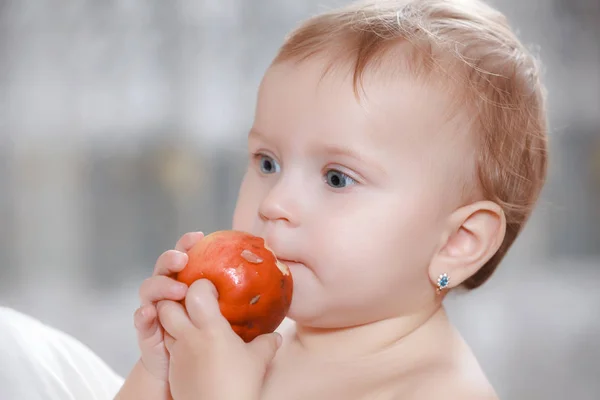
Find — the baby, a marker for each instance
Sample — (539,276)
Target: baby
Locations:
(397,151)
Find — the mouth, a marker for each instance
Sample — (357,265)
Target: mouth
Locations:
(282,263)
(288,261)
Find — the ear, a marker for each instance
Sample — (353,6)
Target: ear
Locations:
(474,234)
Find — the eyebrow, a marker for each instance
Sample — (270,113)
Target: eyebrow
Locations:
(346,151)
(330,149)
(257,134)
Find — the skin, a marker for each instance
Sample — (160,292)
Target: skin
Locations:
(360,198)
(364,200)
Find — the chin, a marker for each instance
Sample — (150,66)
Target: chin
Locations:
(307,310)
(313,310)
(305,305)
(308,298)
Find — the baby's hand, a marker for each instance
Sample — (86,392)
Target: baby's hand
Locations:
(208,359)
(161,286)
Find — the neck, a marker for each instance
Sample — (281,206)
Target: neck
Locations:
(375,337)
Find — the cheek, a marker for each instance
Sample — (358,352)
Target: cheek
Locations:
(375,250)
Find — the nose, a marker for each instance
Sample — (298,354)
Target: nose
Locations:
(280,204)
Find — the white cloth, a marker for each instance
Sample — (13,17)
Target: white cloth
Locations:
(38,362)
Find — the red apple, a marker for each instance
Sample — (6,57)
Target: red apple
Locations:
(255,288)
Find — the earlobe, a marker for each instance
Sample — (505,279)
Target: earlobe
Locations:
(475,233)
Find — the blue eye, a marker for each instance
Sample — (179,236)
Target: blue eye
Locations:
(337,179)
(267,164)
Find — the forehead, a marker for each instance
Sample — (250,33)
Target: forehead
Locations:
(317,97)
(405,124)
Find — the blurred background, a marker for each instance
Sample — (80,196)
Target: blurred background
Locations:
(123,124)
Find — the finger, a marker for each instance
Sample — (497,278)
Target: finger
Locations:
(187,241)
(146,324)
(202,306)
(173,318)
(265,346)
(170,262)
(161,287)
(169,341)
(144,317)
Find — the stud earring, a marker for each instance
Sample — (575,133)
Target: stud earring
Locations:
(442,282)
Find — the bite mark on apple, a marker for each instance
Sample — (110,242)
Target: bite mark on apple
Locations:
(251,257)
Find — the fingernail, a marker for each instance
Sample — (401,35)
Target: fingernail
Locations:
(180,257)
(279,339)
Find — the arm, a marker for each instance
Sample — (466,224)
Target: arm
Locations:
(140,384)
(149,378)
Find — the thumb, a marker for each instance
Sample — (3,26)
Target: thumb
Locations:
(265,346)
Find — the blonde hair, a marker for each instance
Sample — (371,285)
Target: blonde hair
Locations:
(472,45)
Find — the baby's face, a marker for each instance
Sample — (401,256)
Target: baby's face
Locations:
(354,195)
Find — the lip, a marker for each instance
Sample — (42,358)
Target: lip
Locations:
(282,258)
(288,261)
